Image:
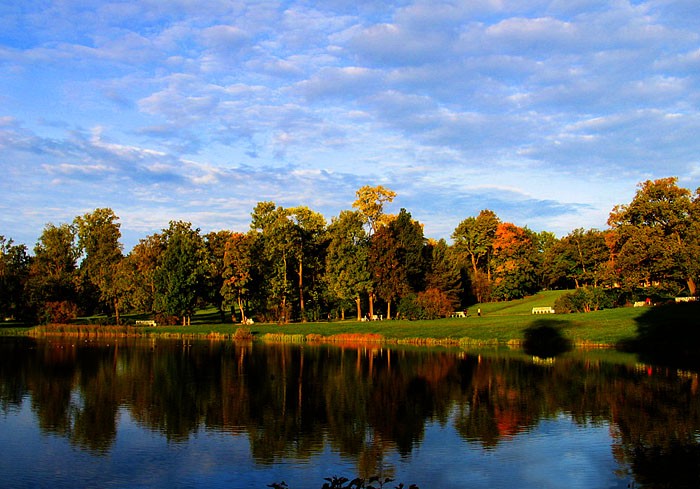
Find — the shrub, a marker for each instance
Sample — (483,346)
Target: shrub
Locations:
(243,334)
(166,319)
(586,300)
(430,304)
(434,304)
(60,311)
(409,308)
(345,483)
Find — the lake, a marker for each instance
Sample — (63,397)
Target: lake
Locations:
(183,413)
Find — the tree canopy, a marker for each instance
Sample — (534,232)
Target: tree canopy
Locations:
(294,265)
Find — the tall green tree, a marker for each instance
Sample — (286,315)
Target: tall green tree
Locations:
(98,242)
(52,275)
(443,271)
(276,249)
(215,243)
(138,271)
(579,259)
(347,270)
(390,274)
(181,270)
(656,236)
(473,243)
(309,241)
(238,271)
(411,242)
(14,271)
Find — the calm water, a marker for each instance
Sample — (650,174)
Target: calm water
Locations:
(177,414)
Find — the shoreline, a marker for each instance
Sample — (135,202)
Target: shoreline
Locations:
(664,327)
(243,333)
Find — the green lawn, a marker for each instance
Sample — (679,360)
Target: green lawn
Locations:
(501,322)
(601,327)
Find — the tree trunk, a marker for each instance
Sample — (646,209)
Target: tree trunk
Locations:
(240,308)
(580,256)
(475,279)
(282,314)
(388,309)
(691,285)
(359,308)
(477,286)
(488,268)
(371,305)
(116,311)
(301,292)
(284,317)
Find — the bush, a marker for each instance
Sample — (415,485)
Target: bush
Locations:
(60,311)
(409,308)
(430,304)
(587,299)
(166,319)
(345,483)
(434,304)
(243,334)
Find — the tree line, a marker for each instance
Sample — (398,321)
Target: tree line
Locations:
(293,265)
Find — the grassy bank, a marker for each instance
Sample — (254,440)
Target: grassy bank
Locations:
(506,322)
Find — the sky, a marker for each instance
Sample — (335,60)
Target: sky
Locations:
(549,113)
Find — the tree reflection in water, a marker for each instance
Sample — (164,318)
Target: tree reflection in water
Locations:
(293,401)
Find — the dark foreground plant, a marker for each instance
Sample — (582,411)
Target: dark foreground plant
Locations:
(243,334)
(345,483)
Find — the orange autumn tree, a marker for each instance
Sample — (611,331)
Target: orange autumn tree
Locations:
(515,262)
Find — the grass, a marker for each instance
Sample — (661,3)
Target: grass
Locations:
(499,323)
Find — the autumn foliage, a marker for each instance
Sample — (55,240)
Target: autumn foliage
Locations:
(291,265)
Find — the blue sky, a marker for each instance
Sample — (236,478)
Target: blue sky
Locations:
(547,112)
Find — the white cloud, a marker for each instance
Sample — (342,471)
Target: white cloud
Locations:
(201,109)
(346,83)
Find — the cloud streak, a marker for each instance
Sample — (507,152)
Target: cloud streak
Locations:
(547,112)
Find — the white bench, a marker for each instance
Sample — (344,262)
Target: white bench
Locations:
(542,310)
(686,299)
(640,304)
(146,322)
(458,314)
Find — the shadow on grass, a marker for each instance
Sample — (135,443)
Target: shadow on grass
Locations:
(544,339)
(12,327)
(211,317)
(668,335)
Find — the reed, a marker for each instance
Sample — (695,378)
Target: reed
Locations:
(283,338)
(472,342)
(355,338)
(416,341)
(85,331)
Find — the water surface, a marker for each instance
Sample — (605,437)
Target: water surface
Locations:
(172,414)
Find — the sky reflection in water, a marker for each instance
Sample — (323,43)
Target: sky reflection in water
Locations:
(220,415)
